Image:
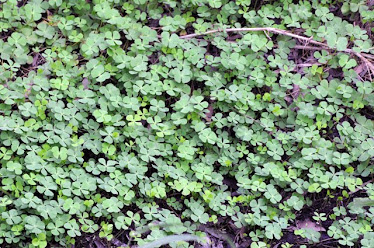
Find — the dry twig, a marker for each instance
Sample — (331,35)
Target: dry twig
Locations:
(309,40)
(266,29)
(367,63)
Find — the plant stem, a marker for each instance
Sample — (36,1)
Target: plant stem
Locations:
(268,29)
(309,40)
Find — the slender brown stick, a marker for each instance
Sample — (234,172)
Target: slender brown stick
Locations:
(302,47)
(309,40)
(310,48)
(307,64)
(369,65)
(362,186)
(271,30)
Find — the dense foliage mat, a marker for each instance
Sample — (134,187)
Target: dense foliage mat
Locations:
(121,126)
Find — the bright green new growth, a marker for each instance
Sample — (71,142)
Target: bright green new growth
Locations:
(252,119)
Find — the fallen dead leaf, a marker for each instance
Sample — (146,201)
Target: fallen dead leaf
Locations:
(85,83)
(359,69)
(295,91)
(209,114)
(307,223)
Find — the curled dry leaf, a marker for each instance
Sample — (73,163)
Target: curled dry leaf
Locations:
(295,91)
(35,60)
(307,223)
(209,113)
(85,83)
(360,68)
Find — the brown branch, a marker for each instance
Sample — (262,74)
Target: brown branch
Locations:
(266,29)
(308,64)
(361,56)
(309,40)
(369,65)
(361,187)
(301,47)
